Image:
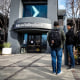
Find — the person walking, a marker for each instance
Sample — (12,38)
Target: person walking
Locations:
(56,38)
(70,40)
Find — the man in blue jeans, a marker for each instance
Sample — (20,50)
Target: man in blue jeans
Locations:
(70,42)
(56,38)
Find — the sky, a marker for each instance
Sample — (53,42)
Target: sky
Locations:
(61,4)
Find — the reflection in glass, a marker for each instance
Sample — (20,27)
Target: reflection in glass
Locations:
(44,40)
(25,40)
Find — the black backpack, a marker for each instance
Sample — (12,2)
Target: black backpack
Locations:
(56,36)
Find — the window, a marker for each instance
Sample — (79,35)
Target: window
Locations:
(44,40)
(25,39)
(35,11)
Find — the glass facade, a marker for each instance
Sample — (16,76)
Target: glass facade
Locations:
(44,40)
(35,11)
(25,38)
(35,42)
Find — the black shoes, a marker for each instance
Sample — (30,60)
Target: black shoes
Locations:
(71,67)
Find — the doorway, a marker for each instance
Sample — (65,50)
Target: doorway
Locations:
(34,43)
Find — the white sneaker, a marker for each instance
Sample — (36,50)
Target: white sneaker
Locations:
(54,73)
(59,73)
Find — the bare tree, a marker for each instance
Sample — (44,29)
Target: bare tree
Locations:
(5,10)
(5,6)
(73,10)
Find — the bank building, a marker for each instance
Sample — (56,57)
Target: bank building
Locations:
(29,23)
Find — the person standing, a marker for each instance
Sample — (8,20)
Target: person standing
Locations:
(56,38)
(70,40)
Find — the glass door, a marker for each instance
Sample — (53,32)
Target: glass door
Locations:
(34,43)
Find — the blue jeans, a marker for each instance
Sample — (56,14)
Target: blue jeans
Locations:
(70,51)
(56,53)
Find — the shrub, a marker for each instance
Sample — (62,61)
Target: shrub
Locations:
(6,45)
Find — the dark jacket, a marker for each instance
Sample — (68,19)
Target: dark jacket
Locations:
(70,37)
(62,36)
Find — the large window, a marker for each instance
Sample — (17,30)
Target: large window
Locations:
(44,40)
(35,11)
(25,40)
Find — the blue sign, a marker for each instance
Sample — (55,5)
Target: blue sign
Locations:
(35,11)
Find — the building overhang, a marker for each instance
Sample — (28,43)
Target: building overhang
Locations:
(32,24)
(34,1)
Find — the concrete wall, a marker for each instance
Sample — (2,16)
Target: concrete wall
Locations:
(15,13)
(21,9)
(52,10)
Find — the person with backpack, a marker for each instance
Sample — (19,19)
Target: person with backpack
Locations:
(56,38)
(70,40)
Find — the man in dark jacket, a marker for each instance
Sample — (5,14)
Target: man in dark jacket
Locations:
(56,47)
(70,40)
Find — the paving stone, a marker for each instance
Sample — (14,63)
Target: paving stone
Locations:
(33,67)
(7,72)
(42,73)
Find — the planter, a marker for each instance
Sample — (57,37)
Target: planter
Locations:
(6,50)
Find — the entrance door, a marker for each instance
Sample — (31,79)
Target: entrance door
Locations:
(34,43)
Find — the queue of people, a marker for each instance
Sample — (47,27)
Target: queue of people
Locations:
(56,39)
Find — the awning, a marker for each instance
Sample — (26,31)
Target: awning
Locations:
(32,24)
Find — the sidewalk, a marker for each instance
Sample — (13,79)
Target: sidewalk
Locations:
(33,67)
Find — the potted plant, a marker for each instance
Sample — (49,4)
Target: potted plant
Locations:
(6,49)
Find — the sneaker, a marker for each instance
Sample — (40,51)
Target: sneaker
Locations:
(71,68)
(59,73)
(54,73)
